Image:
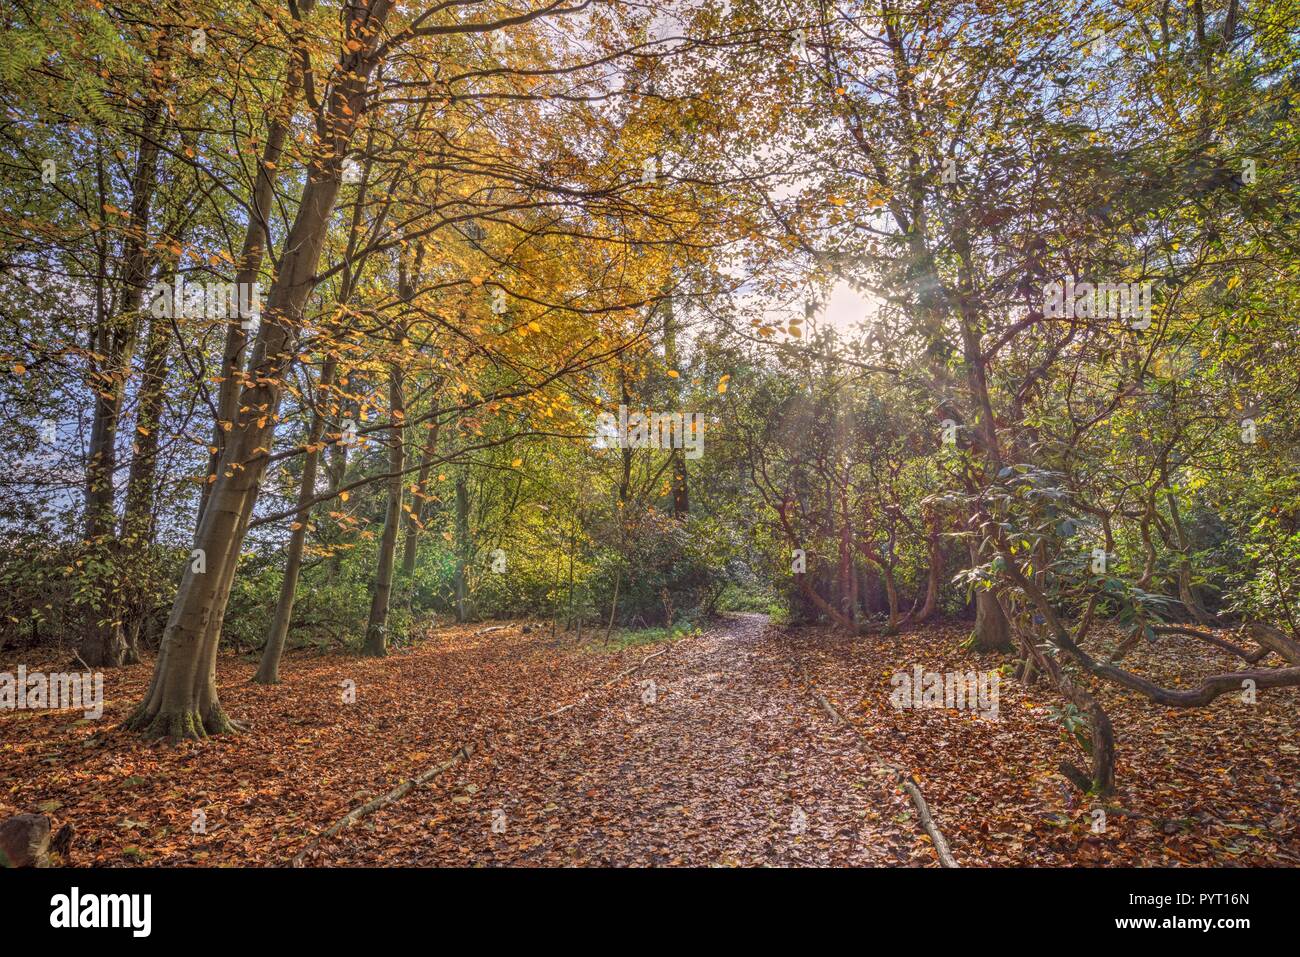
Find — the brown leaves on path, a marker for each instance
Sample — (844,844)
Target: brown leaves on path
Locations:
(714,756)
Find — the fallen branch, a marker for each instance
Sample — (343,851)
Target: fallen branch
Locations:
(618,677)
(901,778)
(1275,640)
(347,820)
(1210,688)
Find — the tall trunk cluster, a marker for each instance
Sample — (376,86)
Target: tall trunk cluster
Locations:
(182,699)
(105,641)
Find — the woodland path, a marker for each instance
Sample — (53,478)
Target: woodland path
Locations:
(725,759)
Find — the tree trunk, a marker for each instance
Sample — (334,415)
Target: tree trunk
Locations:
(116,339)
(415,517)
(809,592)
(250,265)
(462,547)
(992,630)
(104,643)
(891,594)
(232,376)
(336,471)
(613,605)
(1100,778)
(182,701)
(376,644)
(139,523)
(1186,590)
(138,520)
(268,671)
(934,576)
(681,493)
(846,583)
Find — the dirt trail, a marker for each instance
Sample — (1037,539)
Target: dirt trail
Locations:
(713,754)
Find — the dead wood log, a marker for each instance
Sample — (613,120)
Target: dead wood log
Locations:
(1273,639)
(463,753)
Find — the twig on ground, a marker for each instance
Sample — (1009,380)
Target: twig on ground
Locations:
(902,778)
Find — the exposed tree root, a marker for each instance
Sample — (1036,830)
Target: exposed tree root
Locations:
(216,721)
(1076,775)
(178,726)
(175,726)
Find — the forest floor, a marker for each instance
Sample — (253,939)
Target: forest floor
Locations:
(708,750)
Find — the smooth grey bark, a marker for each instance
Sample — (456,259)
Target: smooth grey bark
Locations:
(268,670)
(251,255)
(182,700)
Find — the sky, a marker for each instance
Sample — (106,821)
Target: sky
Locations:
(846,308)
